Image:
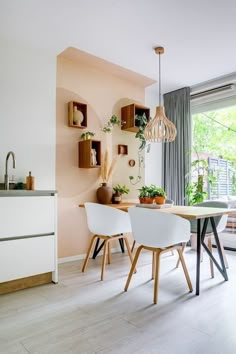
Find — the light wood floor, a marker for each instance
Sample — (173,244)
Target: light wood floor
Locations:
(84,315)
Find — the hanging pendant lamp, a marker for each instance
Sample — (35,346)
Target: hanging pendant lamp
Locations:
(160,129)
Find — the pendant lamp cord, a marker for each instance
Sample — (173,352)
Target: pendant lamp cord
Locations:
(159,79)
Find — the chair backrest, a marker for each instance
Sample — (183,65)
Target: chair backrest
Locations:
(220,221)
(106,221)
(157,229)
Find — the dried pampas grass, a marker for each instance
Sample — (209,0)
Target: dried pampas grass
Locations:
(106,170)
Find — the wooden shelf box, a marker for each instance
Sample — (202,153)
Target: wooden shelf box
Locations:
(81,107)
(128,114)
(122,149)
(85,153)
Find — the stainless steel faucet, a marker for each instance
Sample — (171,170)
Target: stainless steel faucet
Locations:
(6,178)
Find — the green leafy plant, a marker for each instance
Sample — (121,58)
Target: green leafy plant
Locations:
(87,135)
(144,192)
(141,122)
(110,124)
(121,189)
(195,189)
(157,191)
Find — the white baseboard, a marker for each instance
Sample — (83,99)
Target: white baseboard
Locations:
(80,257)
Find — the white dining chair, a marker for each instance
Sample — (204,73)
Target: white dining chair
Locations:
(158,232)
(220,222)
(167,201)
(108,224)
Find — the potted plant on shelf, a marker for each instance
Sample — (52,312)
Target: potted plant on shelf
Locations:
(119,190)
(141,122)
(87,135)
(159,195)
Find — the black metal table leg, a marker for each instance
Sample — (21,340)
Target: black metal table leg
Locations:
(122,247)
(198,256)
(221,269)
(200,239)
(97,248)
(224,273)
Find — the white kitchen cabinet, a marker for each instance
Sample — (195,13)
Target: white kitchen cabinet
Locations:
(28,235)
(26,257)
(23,216)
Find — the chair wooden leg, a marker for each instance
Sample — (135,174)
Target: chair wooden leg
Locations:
(153,265)
(88,253)
(128,249)
(104,258)
(185,269)
(209,244)
(223,253)
(183,247)
(157,272)
(109,252)
(133,266)
(132,248)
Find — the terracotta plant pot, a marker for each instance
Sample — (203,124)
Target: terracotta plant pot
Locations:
(146,200)
(160,200)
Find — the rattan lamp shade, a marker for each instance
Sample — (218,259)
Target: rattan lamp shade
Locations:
(160,129)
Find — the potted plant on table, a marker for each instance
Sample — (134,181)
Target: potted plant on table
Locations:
(119,190)
(159,195)
(145,195)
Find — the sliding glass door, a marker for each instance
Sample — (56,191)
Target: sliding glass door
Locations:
(214,159)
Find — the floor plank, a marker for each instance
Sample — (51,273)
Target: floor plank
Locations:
(83,315)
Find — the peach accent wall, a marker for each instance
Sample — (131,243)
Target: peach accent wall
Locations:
(104,94)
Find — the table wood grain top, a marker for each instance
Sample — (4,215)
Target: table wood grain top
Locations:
(187,212)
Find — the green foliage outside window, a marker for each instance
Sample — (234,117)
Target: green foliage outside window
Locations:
(213,133)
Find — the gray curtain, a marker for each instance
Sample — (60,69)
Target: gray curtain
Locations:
(176,156)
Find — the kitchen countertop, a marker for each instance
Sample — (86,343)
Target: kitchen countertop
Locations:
(26,193)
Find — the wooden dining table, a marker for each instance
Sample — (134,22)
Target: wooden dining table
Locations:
(203,215)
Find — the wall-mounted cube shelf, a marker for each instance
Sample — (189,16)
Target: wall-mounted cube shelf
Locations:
(128,114)
(89,153)
(122,149)
(77,115)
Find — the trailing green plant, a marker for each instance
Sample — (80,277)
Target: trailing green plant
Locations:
(141,122)
(87,135)
(111,123)
(121,189)
(136,180)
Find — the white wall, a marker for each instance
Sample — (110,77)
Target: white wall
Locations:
(27,112)
(153,159)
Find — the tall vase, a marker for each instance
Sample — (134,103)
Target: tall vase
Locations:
(104,194)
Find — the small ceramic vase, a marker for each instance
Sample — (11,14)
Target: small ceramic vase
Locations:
(104,194)
(77,117)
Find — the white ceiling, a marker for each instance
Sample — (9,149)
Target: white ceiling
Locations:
(199,36)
